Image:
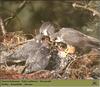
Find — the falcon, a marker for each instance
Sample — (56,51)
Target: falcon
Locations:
(75,38)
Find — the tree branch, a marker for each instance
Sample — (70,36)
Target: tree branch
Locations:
(21,6)
(95,12)
(2,26)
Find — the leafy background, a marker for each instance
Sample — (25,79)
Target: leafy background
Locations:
(61,13)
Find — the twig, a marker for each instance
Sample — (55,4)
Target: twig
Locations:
(2,26)
(21,6)
(68,65)
(95,12)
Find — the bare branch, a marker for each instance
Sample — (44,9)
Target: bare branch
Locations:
(20,7)
(95,12)
(2,26)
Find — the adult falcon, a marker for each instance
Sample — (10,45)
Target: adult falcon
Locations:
(75,38)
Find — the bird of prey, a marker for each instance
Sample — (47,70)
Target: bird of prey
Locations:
(35,54)
(28,49)
(75,38)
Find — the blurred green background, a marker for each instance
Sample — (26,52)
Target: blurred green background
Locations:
(60,12)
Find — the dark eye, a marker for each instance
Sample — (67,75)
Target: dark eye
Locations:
(55,38)
(41,33)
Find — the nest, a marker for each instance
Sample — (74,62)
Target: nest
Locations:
(81,68)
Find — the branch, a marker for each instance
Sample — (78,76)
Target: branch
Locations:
(2,26)
(95,12)
(21,6)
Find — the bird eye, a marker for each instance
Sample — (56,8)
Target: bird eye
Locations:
(55,39)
